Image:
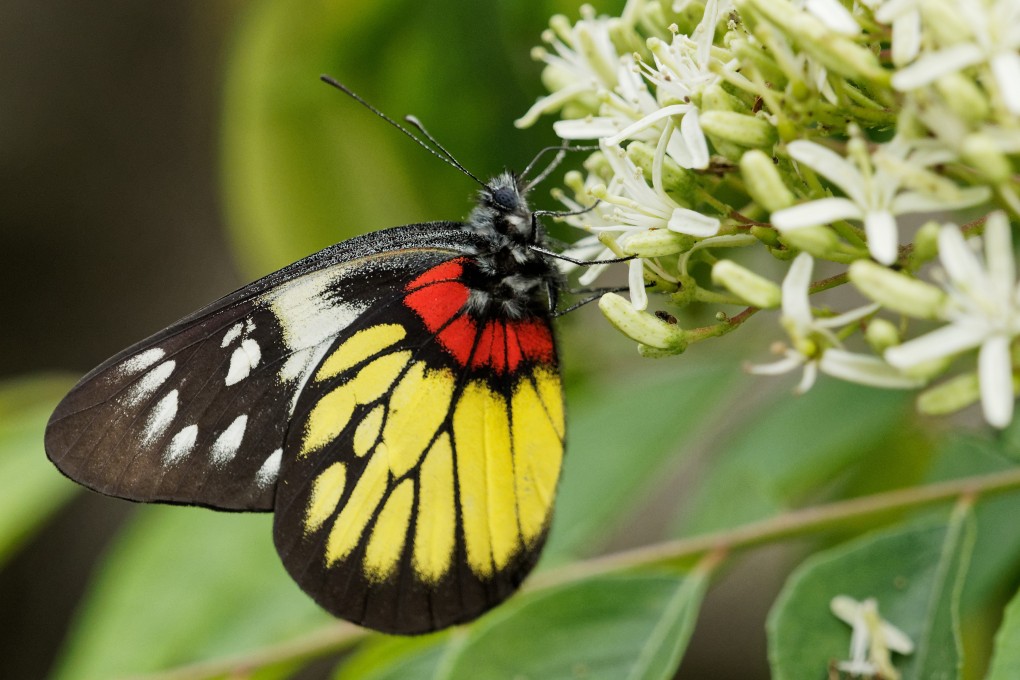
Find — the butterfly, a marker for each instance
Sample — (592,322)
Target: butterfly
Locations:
(395,401)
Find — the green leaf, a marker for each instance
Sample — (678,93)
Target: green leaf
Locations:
(182,585)
(632,627)
(384,657)
(622,442)
(1006,657)
(916,575)
(793,447)
(31,489)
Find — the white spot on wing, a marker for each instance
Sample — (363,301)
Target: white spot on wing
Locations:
(233,334)
(244,358)
(270,469)
(149,383)
(160,417)
(299,367)
(181,445)
(307,314)
(140,362)
(226,445)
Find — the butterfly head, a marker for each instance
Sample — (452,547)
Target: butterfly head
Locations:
(503,209)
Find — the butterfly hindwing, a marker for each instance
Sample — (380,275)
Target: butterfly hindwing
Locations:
(198,414)
(422,461)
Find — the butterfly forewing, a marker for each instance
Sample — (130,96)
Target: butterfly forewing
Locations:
(422,460)
(198,414)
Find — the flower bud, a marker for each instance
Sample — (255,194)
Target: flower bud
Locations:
(657,243)
(897,291)
(641,326)
(882,334)
(753,289)
(818,241)
(762,180)
(738,128)
(681,184)
(980,151)
(963,96)
(950,396)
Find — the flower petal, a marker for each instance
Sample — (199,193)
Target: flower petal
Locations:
(1006,67)
(692,222)
(814,213)
(636,280)
(883,236)
(796,305)
(942,342)
(694,140)
(935,65)
(864,369)
(999,255)
(995,375)
(833,15)
(959,260)
(827,162)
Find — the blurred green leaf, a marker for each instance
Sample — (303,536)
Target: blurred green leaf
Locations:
(182,585)
(792,449)
(916,575)
(304,166)
(31,489)
(1006,658)
(622,441)
(633,627)
(385,657)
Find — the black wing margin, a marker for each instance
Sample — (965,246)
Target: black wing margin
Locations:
(198,414)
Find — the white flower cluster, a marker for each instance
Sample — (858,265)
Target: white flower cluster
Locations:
(806,130)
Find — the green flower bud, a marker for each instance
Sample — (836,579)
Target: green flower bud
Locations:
(882,334)
(680,184)
(716,98)
(818,241)
(767,236)
(963,96)
(926,243)
(641,326)
(753,289)
(980,151)
(950,396)
(763,183)
(657,243)
(738,128)
(897,291)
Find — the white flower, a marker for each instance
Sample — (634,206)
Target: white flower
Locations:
(989,33)
(815,345)
(630,206)
(983,311)
(583,62)
(872,639)
(906,26)
(832,14)
(874,195)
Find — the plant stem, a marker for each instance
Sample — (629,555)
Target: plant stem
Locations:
(712,548)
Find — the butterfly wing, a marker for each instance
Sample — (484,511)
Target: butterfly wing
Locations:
(421,466)
(199,413)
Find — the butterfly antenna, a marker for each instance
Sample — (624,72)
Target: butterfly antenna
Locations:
(561,150)
(442,154)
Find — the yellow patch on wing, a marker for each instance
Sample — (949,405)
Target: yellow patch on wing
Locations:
(357,511)
(538,453)
(389,533)
(437,517)
(550,391)
(326,492)
(330,416)
(417,408)
(481,433)
(359,347)
(367,432)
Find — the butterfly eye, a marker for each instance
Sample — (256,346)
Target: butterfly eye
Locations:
(506,198)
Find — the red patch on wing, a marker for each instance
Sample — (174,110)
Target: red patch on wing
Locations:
(437,303)
(448,271)
(536,340)
(458,338)
(513,348)
(491,349)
